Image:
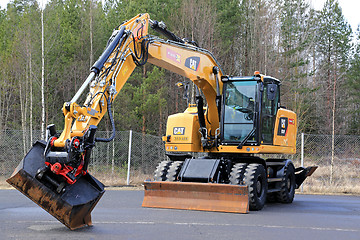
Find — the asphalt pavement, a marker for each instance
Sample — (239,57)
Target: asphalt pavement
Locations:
(119,215)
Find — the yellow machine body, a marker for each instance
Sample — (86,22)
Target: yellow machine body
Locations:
(182,135)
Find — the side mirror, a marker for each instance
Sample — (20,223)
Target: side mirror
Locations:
(271,91)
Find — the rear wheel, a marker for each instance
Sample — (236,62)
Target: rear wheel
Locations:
(255,179)
(287,192)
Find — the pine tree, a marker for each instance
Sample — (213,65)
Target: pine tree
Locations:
(353,87)
(297,43)
(334,44)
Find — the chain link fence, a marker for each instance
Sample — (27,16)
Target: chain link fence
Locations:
(132,160)
(129,159)
(338,161)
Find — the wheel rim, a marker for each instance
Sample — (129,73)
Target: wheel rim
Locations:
(258,187)
(288,184)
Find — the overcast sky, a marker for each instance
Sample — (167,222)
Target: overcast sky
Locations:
(350,9)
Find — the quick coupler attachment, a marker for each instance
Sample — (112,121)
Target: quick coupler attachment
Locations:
(44,175)
(71,204)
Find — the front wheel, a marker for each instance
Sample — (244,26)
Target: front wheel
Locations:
(255,179)
(237,173)
(161,171)
(173,171)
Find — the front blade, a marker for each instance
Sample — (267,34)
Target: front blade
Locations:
(73,207)
(197,196)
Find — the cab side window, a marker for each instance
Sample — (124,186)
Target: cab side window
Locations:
(270,102)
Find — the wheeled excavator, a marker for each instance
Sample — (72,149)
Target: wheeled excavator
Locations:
(213,147)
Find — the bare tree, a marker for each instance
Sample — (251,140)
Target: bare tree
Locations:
(42,76)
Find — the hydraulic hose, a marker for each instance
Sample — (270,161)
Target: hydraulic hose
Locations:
(112,124)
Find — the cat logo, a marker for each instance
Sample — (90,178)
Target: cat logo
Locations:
(283,126)
(192,63)
(179,131)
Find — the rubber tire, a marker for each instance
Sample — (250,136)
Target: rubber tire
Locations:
(255,179)
(161,171)
(173,171)
(237,174)
(287,192)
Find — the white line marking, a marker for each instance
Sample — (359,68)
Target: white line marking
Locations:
(34,227)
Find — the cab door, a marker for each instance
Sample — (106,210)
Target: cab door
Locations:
(238,111)
(269,107)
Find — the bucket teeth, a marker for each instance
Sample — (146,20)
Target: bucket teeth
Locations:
(197,196)
(71,205)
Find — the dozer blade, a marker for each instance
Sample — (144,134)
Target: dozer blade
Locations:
(197,196)
(72,207)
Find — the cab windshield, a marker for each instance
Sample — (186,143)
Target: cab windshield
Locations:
(239,110)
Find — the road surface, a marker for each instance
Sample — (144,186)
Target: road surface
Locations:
(119,215)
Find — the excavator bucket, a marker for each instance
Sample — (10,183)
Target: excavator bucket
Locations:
(197,196)
(73,206)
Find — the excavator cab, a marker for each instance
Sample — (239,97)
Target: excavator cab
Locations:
(250,106)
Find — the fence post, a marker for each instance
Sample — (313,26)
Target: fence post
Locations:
(302,157)
(332,156)
(129,159)
(113,157)
(113,153)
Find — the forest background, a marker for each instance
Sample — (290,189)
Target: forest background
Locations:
(315,54)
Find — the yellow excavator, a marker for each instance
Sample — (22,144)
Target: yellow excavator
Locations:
(234,119)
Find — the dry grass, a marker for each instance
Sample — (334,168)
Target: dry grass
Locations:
(116,179)
(346,179)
